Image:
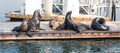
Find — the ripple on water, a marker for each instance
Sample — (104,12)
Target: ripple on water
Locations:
(61,46)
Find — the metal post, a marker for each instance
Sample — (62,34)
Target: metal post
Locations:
(48,8)
(110,3)
(113,16)
(90,6)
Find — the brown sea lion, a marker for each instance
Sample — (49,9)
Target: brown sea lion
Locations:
(68,24)
(22,28)
(53,24)
(30,25)
(35,20)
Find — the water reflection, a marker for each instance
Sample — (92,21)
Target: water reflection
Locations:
(61,46)
(8,47)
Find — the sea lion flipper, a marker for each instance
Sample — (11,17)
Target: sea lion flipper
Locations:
(18,34)
(28,34)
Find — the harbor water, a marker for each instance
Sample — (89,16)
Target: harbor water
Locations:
(61,46)
(12,5)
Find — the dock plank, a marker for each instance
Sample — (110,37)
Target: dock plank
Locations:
(59,35)
(7,34)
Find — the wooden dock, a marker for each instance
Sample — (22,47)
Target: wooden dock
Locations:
(59,35)
(7,34)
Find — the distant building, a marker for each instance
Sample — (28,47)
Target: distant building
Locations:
(48,7)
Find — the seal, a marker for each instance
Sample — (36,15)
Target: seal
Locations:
(68,24)
(35,20)
(30,25)
(53,24)
(22,28)
(99,24)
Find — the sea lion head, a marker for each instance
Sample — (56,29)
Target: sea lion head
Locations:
(53,24)
(100,20)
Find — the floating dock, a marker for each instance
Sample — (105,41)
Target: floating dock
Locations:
(60,35)
(7,34)
(60,18)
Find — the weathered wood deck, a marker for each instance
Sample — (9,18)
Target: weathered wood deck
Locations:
(7,34)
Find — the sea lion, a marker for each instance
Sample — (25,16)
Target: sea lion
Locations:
(16,29)
(99,24)
(35,20)
(68,24)
(54,24)
(22,28)
(83,26)
(30,25)
(58,26)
